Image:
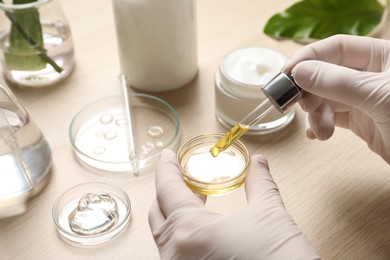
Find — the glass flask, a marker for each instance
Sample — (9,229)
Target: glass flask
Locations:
(36,42)
(25,156)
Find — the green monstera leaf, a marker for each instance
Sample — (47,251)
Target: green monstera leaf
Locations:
(318,19)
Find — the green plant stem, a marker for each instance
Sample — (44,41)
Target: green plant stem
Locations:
(33,44)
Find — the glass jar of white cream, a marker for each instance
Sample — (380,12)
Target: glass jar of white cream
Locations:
(238,83)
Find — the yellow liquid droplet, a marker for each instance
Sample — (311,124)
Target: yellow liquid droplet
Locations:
(225,141)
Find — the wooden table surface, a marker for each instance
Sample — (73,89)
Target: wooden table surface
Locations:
(338,191)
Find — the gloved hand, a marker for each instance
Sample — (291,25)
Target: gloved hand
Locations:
(183,228)
(346,83)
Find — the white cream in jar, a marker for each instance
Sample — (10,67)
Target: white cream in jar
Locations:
(238,83)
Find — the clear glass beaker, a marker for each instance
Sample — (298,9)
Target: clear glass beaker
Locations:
(25,156)
(36,43)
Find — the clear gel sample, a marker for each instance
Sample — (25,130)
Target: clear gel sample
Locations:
(94,214)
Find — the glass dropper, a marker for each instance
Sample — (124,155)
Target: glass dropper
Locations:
(281,93)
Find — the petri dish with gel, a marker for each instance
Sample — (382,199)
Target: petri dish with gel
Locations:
(210,175)
(91,213)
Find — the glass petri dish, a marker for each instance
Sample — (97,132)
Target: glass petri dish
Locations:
(64,211)
(210,175)
(99,136)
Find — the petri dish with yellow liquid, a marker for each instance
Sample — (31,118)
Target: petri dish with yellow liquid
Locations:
(205,174)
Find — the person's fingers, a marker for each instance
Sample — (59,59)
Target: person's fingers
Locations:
(310,102)
(322,122)
(156,217)
(338,83)
(260,187)
(172,192)
(356,52)
(341,119)
(309,132)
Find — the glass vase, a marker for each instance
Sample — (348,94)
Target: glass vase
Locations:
(36,42)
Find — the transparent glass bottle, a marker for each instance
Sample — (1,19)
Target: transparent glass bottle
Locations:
(36,43)
(25,156)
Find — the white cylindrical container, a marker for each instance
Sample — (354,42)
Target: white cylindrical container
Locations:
(157,42)
(238,83)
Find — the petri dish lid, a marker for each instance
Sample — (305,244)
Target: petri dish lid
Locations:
(99,137)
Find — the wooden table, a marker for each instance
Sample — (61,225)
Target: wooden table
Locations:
(338,191)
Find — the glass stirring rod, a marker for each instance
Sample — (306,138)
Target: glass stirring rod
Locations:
(130,126)
(281,93)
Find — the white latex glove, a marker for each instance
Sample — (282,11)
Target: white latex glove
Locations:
(346,83)
(183,228)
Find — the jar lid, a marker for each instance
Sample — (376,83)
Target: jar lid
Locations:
(99,137)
